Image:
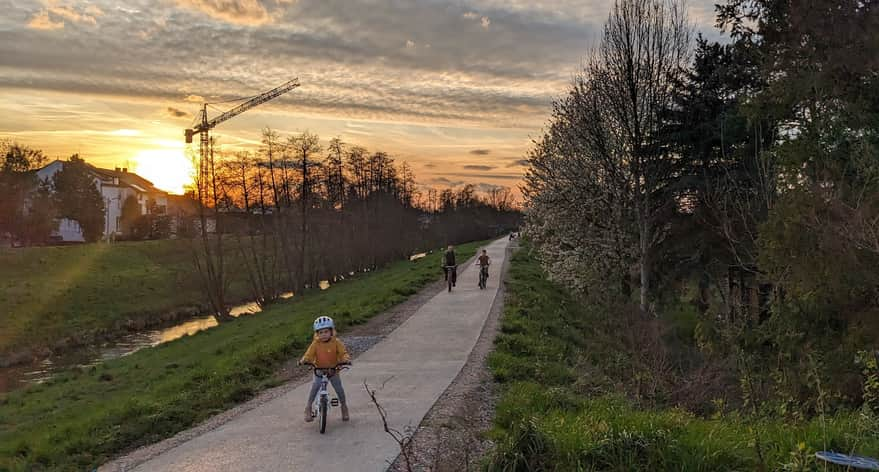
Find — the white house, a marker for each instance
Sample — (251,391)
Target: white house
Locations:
(115,187)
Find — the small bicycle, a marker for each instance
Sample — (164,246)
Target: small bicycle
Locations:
(322,403)
(483,276)
(451,275)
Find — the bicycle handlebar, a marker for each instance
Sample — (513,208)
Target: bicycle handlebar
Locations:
(339,366)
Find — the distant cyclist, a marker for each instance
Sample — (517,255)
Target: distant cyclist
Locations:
(449,266)
(483,262)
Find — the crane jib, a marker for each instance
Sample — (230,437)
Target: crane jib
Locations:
(261,98)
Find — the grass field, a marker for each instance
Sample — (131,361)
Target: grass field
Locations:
(84,417)
(549,418)
(51,293)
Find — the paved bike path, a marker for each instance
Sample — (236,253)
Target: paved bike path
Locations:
(410,369)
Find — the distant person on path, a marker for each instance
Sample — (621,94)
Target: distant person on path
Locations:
(326,352)
(449,264)
(483,262)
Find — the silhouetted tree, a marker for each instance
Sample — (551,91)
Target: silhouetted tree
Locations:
(17,181)
(77,197)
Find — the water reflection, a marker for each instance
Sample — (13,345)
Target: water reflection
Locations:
(186,329)
(41,371)
(415,257)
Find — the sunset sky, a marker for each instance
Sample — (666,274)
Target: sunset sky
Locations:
(457,89)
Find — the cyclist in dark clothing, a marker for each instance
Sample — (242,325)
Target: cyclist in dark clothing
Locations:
(449,264)
(483,262)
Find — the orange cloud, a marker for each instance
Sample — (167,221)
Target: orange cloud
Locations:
(68,13)
(239,12)
(41,21)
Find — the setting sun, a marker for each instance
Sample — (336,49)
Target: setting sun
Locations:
(167,169)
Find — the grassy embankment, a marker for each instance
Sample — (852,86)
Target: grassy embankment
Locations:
(555,360)
(58,295)
(84,417)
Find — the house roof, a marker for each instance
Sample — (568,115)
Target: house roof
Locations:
(129,179)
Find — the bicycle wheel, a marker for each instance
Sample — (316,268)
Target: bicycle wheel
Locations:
(450,284)
(323,415)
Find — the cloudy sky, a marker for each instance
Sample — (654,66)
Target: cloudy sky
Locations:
(456,88)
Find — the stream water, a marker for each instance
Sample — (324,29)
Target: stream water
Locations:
(41,370)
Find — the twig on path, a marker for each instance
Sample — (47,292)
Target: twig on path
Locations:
(385,382)
(403,440)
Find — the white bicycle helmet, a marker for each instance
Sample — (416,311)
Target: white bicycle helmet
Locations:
(323,322)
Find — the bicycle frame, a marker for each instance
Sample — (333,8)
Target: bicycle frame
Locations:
(483,275)
(451,275)
(322,402)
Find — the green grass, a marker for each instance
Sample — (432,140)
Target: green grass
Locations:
(547,420)
(51,293)
(84,417)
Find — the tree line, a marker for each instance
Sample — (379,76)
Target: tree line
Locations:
(298,213)
(738,178)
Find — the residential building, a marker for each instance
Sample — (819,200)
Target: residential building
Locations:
(115,187)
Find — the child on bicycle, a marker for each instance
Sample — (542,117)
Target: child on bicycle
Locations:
(326,352)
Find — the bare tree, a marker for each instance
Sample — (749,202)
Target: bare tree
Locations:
(277,181)
(260,252)
(334,175)
(500,198)
(209,257)
(304,148)
(644,52)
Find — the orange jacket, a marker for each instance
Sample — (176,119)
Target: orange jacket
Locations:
(326,354)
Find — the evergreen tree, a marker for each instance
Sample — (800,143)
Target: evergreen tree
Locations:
(77,197)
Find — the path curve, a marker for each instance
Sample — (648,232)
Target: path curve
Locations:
(410,369)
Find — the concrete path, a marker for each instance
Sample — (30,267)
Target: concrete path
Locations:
(415,363)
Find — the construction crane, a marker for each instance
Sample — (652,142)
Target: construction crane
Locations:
(206,125)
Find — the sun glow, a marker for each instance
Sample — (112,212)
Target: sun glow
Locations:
(167,169)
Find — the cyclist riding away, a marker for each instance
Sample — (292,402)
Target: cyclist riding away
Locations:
(326,352)
(449,264)
(484,261)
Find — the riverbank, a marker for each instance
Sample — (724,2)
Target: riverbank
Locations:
(58,298)
(565,370)
(82,418)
